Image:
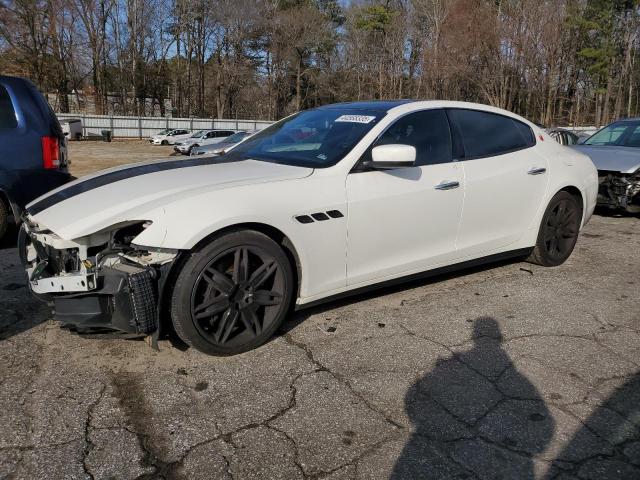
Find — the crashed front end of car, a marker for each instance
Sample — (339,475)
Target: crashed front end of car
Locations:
(619,190)
(98,283)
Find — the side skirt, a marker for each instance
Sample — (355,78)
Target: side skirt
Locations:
(522,252)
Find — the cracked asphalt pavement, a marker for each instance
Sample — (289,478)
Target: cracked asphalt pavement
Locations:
(510,371)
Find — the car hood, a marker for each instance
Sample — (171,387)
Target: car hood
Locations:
(611,158)
(96,202)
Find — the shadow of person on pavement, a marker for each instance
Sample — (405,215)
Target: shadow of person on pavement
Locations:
(462,419)
(611,434)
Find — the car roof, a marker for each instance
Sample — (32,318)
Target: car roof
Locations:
(632,119)
(379,105)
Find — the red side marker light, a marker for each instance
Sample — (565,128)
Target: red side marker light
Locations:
(541,138)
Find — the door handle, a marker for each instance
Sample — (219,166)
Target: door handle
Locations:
(537,171)
(447,185)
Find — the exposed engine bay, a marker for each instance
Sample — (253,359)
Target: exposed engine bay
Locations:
(102,282)
(619,190)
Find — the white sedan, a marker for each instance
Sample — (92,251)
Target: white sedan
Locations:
(325,202)
(169,137)
(202,137)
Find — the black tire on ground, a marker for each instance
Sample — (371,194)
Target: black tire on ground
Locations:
(164,142)
(4,217)
(23,242)
(559,230)
(231,295)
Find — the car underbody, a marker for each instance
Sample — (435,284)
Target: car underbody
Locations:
(619,191)
(100,283)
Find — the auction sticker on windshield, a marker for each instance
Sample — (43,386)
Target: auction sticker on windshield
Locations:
(355,118)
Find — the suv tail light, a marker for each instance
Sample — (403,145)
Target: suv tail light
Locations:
(50,152)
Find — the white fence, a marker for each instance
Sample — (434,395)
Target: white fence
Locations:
(143,127)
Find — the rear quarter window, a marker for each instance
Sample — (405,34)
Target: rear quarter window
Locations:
(7,112)
(486,134)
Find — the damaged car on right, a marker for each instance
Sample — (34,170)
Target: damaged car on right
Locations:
(615,151)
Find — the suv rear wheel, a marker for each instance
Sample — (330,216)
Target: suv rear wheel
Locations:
(233,294)
(4,218)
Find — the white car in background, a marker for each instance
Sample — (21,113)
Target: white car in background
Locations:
(224,146)
(202,137)
(322,203)
(170,136)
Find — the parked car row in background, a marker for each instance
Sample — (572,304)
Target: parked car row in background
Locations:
(224,146)
(169,136)
(201,137)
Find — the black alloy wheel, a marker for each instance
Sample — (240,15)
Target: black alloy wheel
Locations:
(232,295)
(559,230)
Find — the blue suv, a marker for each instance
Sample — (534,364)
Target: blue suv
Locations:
(32,148)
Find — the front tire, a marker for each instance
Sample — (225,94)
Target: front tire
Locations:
(233,294)
(4,218)
(191,149)
(164,142)
(558,231)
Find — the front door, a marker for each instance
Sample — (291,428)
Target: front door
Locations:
(405,220)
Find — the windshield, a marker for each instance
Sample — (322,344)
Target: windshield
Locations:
(163,132)
(313,138)
(199,133)
(622,134)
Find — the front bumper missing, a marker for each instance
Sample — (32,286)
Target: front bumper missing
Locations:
(94,293)
(126,301)
(619,191)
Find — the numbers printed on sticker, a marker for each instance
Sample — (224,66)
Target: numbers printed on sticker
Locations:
(355,118)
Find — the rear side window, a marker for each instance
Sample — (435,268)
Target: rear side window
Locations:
(486,134)
(427,131)
(7,113)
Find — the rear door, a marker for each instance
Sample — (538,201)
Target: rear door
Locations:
(405,220)
(505,179)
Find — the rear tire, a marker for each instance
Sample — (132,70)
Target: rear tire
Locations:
(232,294)
(558,232)
(4,218)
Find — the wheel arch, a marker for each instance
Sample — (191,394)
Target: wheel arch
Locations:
(577,193)
(270,231)
(275,234)
(13,208)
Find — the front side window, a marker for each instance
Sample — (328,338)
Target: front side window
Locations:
(427,131)
(7,113)
(316,138)
(621,134)
(486,134)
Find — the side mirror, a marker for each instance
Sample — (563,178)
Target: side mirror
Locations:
(392,156)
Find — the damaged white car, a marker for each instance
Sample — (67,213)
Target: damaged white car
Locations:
(615,151)
(325,202)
